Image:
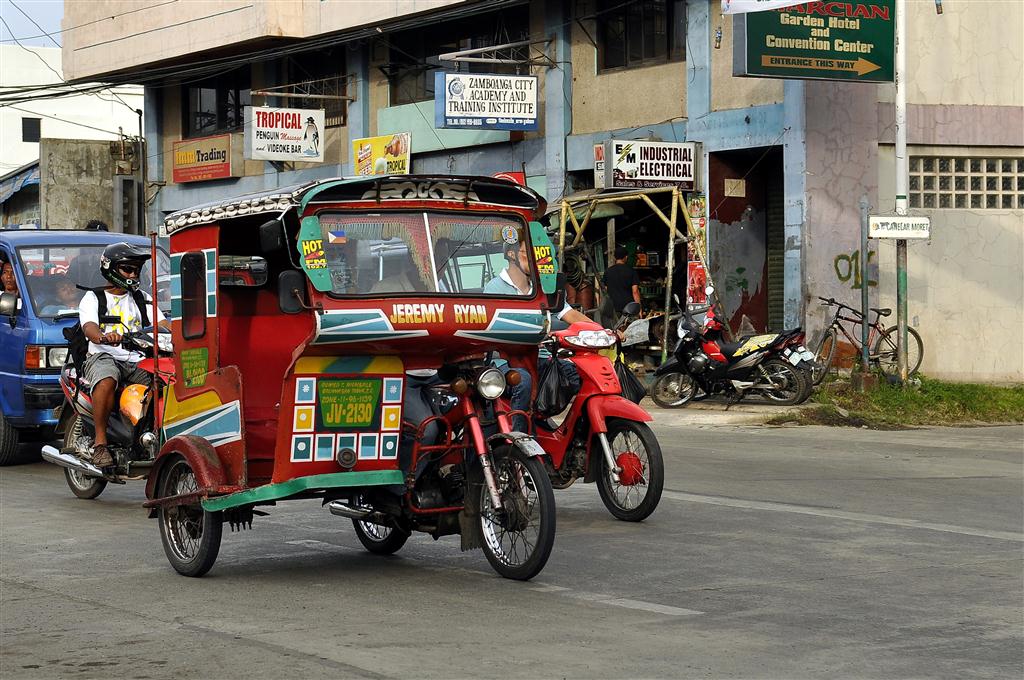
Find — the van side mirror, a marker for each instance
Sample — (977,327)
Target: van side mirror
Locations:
(556,300)
(272,236)
(9,307)
(291,292)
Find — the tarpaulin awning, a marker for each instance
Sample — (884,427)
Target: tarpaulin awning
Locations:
(15,181)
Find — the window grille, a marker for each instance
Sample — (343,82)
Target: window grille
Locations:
(966,183)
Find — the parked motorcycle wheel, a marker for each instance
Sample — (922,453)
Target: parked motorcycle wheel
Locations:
(81,485)
(191,535)
(517,539)
(377,538)
(636,450)
(794,384)
(673,390)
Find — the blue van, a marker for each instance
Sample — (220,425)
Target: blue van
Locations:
(47,264)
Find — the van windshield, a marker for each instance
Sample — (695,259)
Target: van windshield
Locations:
(424,252)
(53,272)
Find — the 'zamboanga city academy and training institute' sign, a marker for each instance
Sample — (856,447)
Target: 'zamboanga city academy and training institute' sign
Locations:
(818,40)
(647,165)
(204,158)
(485,101)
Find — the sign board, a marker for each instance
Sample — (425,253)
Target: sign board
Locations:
(646,165)
(198,160)
(740,6)
(851,41)
(384,155)
(898,226)
(483,101)
(284,134)
(599,166)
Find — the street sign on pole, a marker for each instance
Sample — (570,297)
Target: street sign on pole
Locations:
(899,226)
(818,40)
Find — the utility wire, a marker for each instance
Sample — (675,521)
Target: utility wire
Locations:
(88,23)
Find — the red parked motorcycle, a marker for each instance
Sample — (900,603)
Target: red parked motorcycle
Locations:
(603,437)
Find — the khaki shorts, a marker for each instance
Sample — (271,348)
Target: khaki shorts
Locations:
(101,365)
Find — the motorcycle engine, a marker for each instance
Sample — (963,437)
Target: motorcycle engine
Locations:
(698,363)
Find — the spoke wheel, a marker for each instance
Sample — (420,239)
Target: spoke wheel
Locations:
(636,450)
(823,356)
(673,390)
(792,383)
(517,538)
(191,535)
(377,538)
(885,354)
(81,485)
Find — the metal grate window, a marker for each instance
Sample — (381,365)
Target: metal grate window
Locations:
(966,182)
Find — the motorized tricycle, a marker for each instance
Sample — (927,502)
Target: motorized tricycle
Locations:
(331,342)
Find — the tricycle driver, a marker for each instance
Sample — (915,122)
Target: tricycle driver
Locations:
(108,365)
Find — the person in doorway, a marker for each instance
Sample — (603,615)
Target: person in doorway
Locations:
(108,365)
(621,281)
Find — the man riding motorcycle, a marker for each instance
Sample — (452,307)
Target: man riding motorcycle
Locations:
(108,365)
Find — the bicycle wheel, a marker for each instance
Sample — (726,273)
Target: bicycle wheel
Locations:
(884,353)
(823,356)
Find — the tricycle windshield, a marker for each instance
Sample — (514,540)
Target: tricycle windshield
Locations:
(426,253)
(54,272)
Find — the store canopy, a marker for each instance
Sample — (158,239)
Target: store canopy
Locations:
(16,180)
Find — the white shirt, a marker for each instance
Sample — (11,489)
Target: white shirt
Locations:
(121,306)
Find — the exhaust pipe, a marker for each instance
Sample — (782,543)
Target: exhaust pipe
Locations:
(342,509)
(52,455)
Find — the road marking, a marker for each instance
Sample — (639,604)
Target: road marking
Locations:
(596,598)
(842,514)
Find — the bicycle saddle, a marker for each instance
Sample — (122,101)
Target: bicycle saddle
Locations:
(884,311)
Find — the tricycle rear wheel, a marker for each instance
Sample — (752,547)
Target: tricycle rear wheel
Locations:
(379,539)
(191,535)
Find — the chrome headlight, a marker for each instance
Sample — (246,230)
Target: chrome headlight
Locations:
(56,356)
(596,339)
(490,383)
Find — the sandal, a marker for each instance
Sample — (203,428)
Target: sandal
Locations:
(101,457)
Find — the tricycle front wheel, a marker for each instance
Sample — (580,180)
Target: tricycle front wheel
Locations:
(642,471)
(517,538)
(191,535)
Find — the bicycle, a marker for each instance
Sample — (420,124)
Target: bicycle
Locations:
(883,352)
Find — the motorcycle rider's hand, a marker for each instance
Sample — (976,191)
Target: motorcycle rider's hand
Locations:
(111,338)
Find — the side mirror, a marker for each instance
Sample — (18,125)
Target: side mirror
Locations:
(556,300)
(291,292)
(272,236)
(242,270)
(9,307)
(709,291)
(631,309)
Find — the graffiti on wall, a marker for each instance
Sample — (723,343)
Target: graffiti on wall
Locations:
(847,269)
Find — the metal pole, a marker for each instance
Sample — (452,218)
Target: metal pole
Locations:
(901,184)
(864,208)
(140,200)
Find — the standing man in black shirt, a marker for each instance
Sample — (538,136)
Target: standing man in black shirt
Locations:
(622,282)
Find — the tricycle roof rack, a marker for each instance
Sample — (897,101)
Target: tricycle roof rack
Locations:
(458,188)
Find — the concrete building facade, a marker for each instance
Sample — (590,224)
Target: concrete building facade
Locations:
(784,162)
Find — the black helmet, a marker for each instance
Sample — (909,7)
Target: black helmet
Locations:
(117,254)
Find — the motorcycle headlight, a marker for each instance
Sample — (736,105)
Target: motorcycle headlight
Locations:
(592,339)
(490,383)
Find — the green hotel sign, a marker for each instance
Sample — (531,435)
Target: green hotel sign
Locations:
(818,40)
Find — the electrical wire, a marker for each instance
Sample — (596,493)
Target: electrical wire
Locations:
(88,23)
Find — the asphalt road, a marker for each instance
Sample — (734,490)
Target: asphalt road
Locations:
(776,553)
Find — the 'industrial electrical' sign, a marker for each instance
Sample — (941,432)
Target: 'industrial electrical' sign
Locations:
(485,101)
(284,134)
(204,158)
(818,40)
(646,165)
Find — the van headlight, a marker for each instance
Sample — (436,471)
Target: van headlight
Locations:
(490,383)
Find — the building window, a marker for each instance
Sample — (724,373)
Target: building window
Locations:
(321,73)
(966,183)
(30,129)
(641,33)
(216,105)
(193,295)
(413,55)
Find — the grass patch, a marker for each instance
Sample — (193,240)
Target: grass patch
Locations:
(890,407)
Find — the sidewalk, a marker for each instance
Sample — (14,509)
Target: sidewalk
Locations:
(714,412)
